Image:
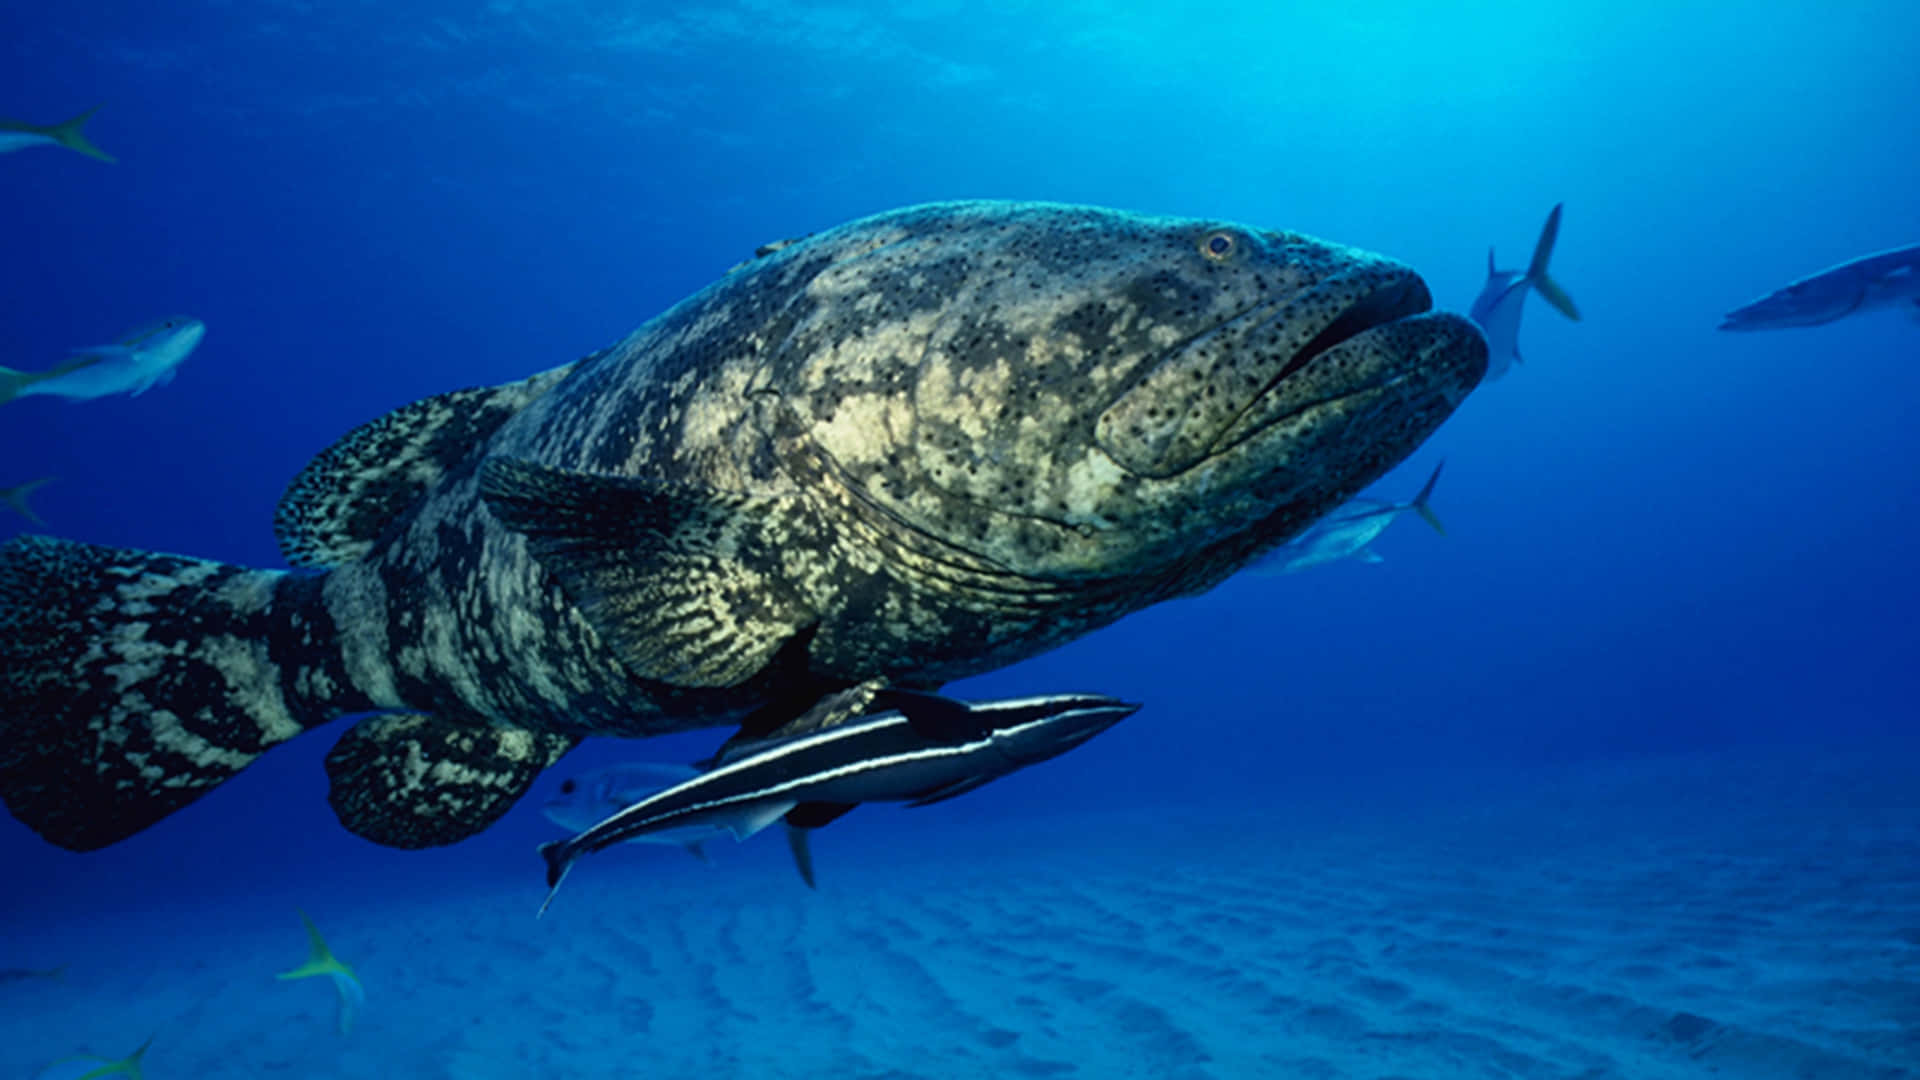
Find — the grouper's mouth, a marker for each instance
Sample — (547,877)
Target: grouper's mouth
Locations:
(1353,333)
(1397,299)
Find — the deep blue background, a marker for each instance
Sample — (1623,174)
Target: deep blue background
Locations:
(1662,538)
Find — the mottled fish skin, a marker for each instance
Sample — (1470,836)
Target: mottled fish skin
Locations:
(937,389)
(106,656)
(955,436)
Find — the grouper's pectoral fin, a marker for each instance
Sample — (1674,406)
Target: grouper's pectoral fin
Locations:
(683,582)
(410,780)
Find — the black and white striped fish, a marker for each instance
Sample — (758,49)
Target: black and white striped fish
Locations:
(917,749)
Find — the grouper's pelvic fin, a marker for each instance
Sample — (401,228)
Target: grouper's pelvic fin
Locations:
(132,683)
(1537,277)
(410,780)
(322,963)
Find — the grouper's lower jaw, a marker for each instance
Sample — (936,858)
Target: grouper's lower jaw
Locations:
(1293,458)
(1429,361)
(1264,364)
(1313,440)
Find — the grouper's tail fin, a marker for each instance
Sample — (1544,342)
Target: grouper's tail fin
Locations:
(1537,277)
(70,135)
(132,683)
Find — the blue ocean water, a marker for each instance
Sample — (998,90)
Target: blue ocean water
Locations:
(1665,544)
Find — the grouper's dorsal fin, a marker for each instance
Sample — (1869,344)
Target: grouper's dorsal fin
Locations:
(683,582)
(345,498)
(410,780)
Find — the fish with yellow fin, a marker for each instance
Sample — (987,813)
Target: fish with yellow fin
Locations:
(20,135)
(1497,308)
(144,358)
(322,963)
(95,1067)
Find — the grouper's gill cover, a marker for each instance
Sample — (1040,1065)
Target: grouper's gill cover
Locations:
(1080,395)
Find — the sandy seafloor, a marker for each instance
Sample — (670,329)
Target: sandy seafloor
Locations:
(1687,917)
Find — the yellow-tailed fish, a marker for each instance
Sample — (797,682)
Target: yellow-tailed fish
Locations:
(93,1066)
(145,358)
(322,962)
(20,135)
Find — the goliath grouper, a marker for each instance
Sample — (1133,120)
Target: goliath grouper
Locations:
(913,448)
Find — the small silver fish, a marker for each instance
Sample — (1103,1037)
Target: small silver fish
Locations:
(592,797)
(1498,307)
(1887,279)
(1345,533)
(145,358)
(19,135)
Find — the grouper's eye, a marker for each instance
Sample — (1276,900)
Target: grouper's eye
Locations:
(568,787)
(1219,246)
